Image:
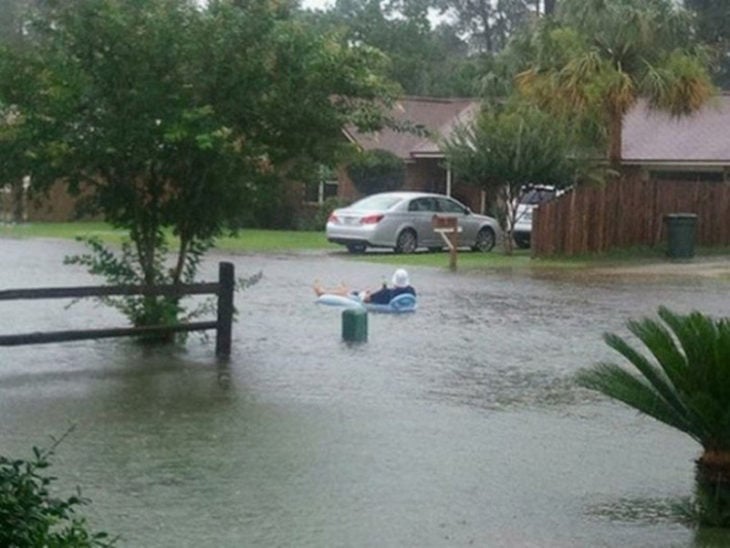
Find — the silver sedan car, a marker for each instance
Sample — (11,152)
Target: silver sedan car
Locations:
(404,221)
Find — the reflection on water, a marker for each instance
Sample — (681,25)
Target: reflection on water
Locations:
(455,426)
(642,510)
(474,383)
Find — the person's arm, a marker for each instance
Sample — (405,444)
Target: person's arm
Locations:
(381,296)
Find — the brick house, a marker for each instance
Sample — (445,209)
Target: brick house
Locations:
(426,168)
(695,147)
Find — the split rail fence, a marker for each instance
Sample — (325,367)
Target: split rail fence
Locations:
(626,213)
(223,289)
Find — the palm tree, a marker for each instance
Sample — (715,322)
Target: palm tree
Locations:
(599,57)
(687,386)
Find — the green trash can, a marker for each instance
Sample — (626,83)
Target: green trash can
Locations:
(355,325)
(681,228)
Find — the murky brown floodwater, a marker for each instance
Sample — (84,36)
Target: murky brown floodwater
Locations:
(454,426)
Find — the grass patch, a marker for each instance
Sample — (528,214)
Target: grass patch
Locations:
(638,255)
(261,241)
(66,231)
(247,239)
(274,240)
(469,260)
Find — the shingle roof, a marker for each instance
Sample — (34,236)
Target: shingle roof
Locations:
(438,116)
(654,137)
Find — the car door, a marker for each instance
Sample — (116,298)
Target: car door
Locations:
(451,208)
(421,212)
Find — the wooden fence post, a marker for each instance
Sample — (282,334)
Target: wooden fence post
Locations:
(226,280)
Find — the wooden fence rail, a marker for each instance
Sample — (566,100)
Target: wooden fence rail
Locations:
(629,212)
(223,289)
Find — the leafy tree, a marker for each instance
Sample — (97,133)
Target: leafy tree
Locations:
(604,55)
(14,135)
(713,28)
(171,116)
(684,383)
(423,60)
(13,19)
(507,149)
(488,24)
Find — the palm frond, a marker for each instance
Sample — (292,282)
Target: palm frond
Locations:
(617,383)
(684,381)
(654,375)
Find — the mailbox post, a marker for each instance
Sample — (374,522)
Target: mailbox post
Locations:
(449,229)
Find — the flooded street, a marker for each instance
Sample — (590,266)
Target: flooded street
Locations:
(458,425)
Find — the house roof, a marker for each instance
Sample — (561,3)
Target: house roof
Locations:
(652,137)
(438,116)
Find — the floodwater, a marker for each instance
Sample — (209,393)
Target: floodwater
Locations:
(458,425)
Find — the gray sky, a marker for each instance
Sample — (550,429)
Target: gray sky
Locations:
(317,4)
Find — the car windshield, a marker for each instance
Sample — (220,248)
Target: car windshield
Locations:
(376,203)
(537,196)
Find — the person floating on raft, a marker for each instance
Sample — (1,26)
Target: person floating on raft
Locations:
(383,296)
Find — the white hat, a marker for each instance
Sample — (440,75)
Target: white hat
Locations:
(400,278)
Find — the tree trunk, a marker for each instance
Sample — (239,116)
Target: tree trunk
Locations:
(549,7)
(615,126)
(18,197)
(506,196)
(712,477)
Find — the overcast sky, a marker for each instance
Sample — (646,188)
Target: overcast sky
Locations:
(316,4)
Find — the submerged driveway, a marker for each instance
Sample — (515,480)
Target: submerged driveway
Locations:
(458,425)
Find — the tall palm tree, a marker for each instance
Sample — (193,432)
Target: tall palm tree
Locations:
(599,57)
(686,385)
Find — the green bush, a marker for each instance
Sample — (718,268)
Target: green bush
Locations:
(315,220)
(376,171)
(31,517)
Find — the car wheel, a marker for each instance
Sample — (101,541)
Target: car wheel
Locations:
(485,240)
(356,248)
(407,242)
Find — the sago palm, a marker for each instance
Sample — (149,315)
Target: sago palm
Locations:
(685,383)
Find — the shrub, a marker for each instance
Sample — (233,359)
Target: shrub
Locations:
(30,516)
(377,171)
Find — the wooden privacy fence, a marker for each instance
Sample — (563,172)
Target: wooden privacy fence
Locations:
(223,288)
(628,212)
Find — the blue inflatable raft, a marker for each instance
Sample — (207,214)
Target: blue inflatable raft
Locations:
(398,305)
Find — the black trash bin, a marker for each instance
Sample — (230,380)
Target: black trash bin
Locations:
(681,229)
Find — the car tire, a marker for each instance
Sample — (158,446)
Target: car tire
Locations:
(356,248)
(485,240)
(407,241)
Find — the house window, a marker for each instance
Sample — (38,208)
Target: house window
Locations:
(316,192)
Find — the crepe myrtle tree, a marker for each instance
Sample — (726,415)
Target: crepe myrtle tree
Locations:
(168,117)
(682,379)
(507,148)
